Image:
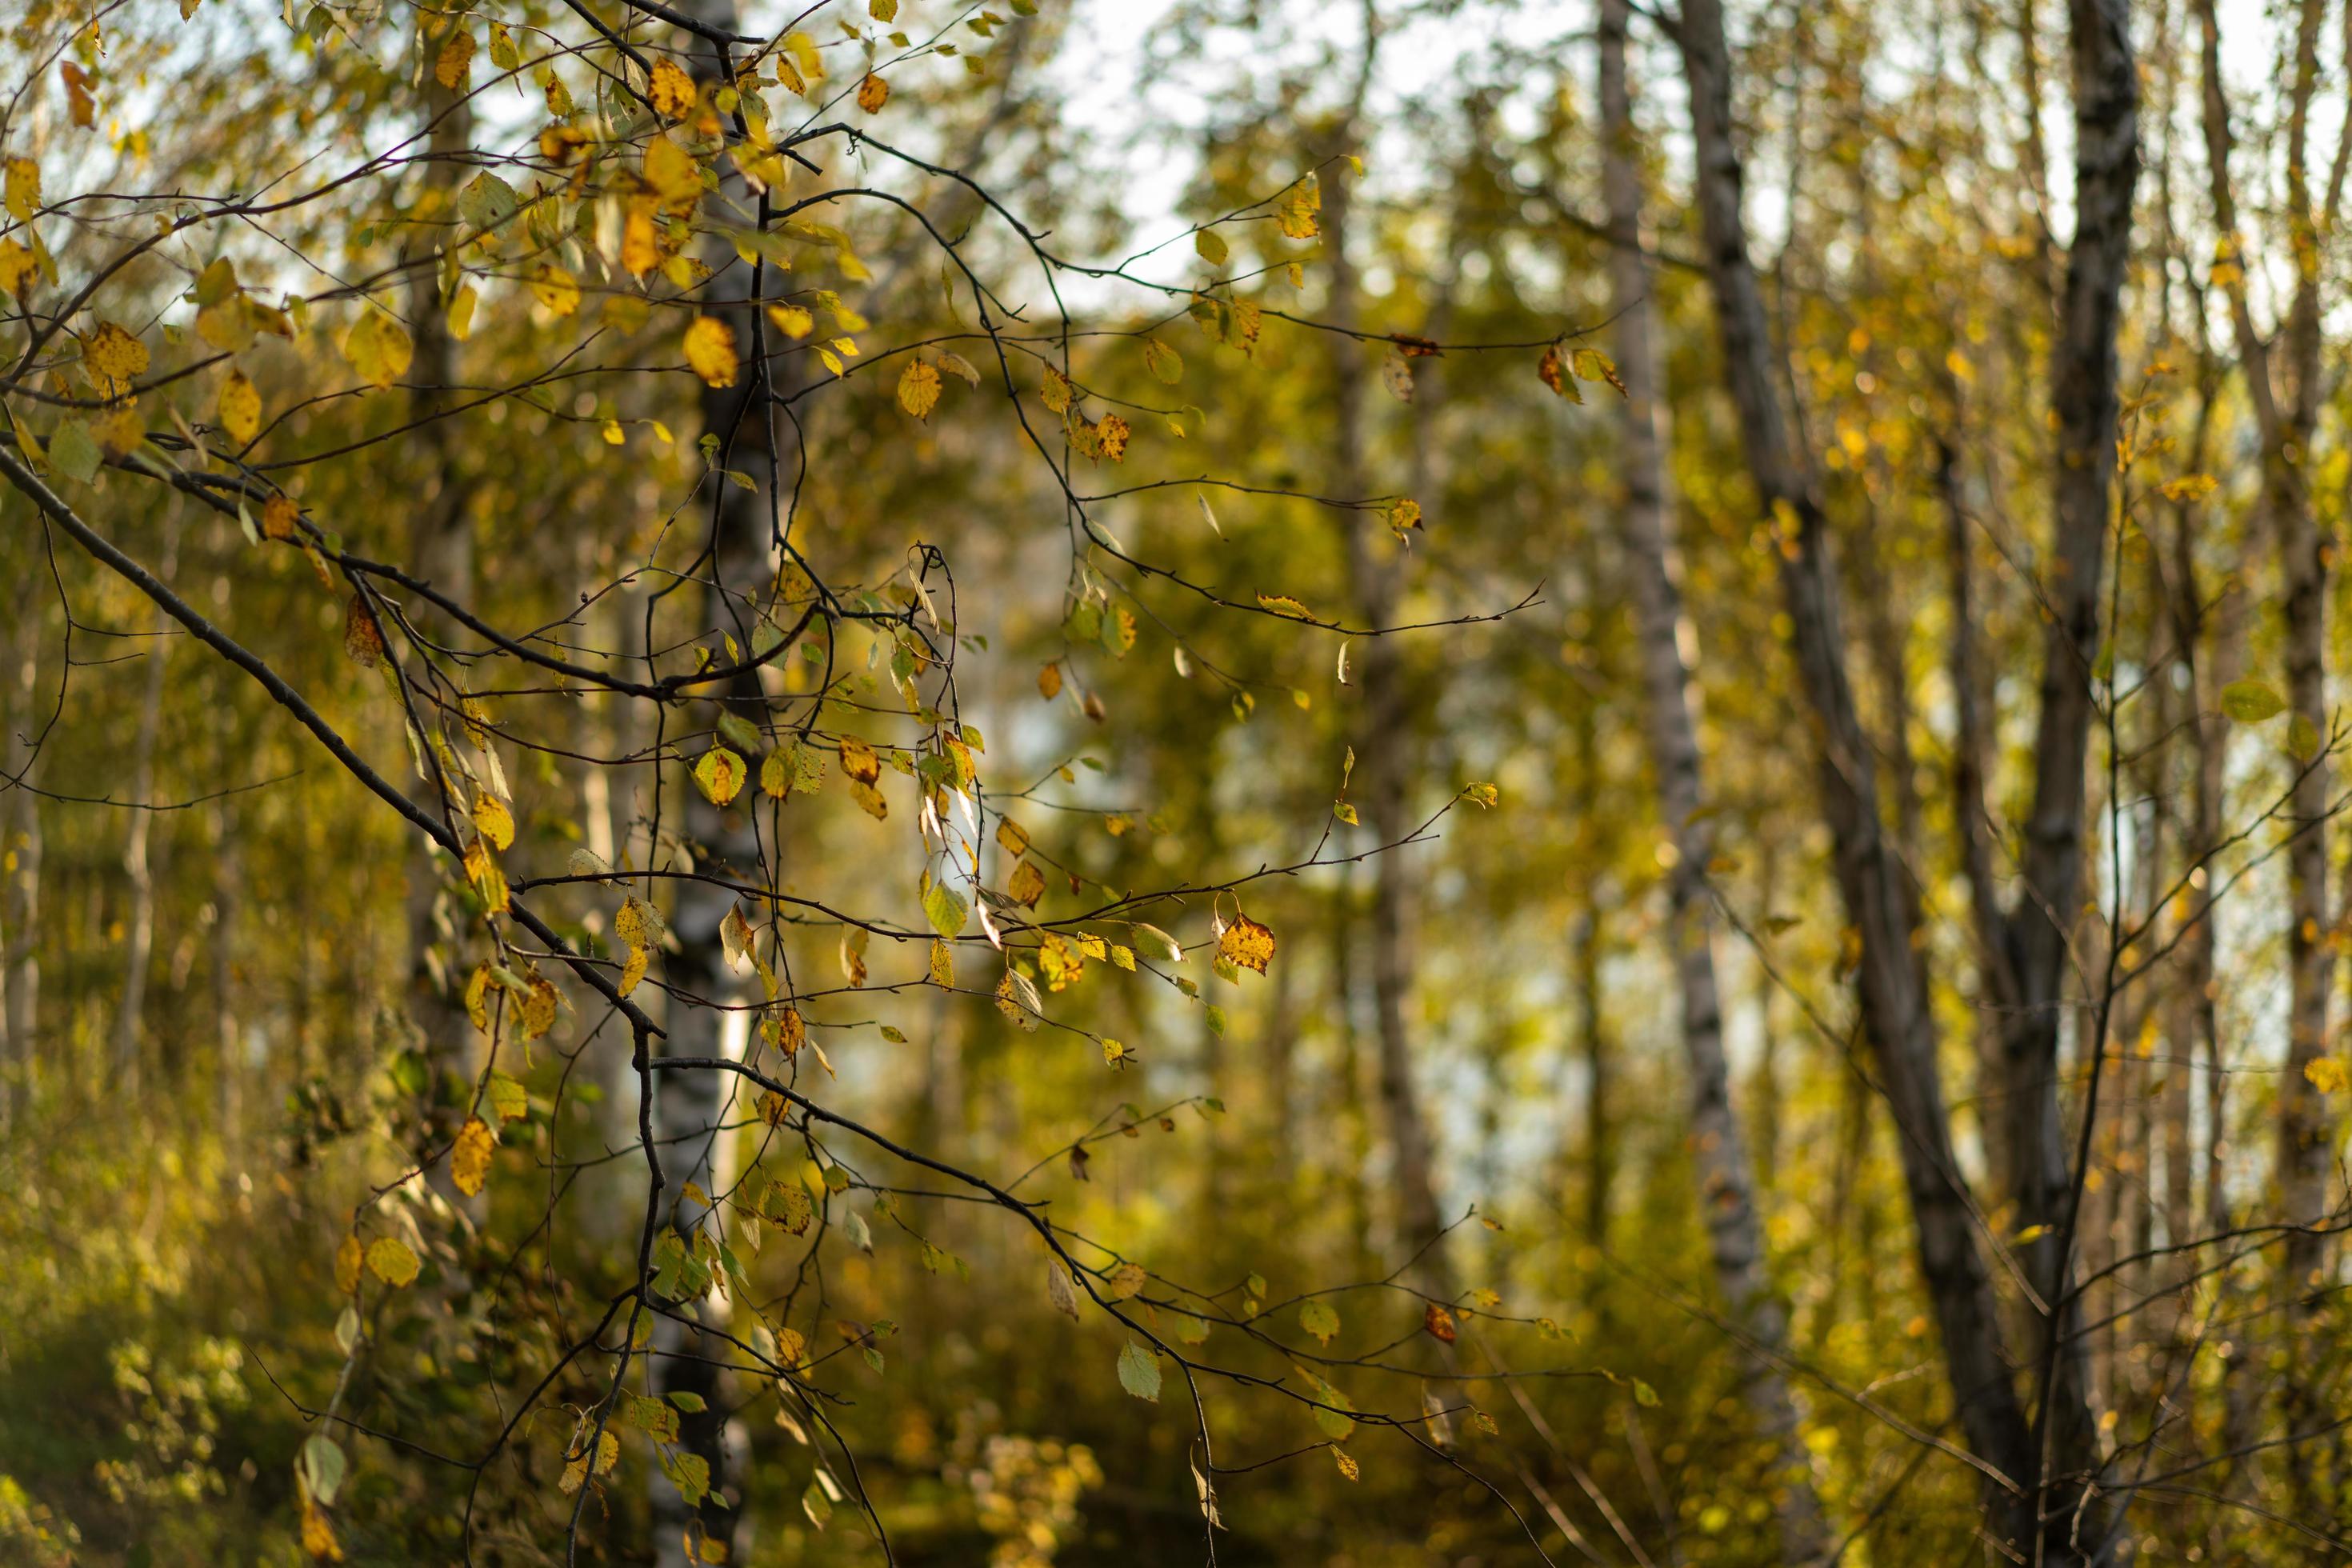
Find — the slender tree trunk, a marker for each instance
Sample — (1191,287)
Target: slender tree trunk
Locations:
(2284,389)
(740,565)
(1726,1179)
(137,865)
(1383,764)
(442,549)
(228,1049)
(1594,1048)
(20,856)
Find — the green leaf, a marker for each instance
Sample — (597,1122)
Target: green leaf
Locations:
(321,1465)
(1138,1372)
(1337,1422)
(739,732)
(508,1097)
(74,453)
(2251,701)
(1162,360)
(1158,943)
(947,910)
(690,1473)
(1317,1319)
(692,1403)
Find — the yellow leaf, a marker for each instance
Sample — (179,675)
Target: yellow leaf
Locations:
(639,252)
(711,350)
(1248,943)
(349,1256)
(239,408)
(671,90)
(804,54)
(482,871)
(1027,885)
(859,761)
(873,93)
(318,1535)
(378,347)
(469,1158)
(390,1260)
(1056,392)
(1113,434)
(113,356)
(1283,605)
(24,189)
(869,800)
(460,315)
(720,775)
(539,1005)
(1347,1465)
(632,972)
(19,267)
(791,321)
(456,60)
(2326,1074)
(277,518)
(918,389)
(362,638)
(673,173)
(1295,216)
(575,1469)
(478,998)
(497,823)
(554,288)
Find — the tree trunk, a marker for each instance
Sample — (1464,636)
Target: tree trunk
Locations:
(228,1049)
(20,861)
(2084,399)
(1726,1179)
(691,1108)
(1383,763)
(442,552)
(2286,391)
(137,865)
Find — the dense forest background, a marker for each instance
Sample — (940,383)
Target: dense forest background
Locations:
(1357,782)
